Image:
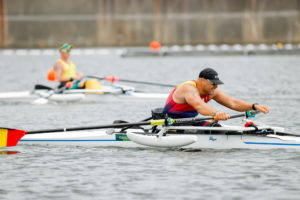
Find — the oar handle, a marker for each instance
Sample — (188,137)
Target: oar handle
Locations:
(184,120)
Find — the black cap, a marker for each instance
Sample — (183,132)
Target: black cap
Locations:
(211,75)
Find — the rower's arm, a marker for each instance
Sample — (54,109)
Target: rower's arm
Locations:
(58,71)
(237,104)
(192,98)
(230,102)
(79,75)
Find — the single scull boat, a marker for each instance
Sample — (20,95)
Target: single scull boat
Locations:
(81,94)
(187,137)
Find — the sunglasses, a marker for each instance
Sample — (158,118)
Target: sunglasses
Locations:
(66,50)
(212,83)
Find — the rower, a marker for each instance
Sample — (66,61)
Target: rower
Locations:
(65,70)
(191,97)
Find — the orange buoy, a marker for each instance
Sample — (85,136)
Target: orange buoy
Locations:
(155,45)
(51,75)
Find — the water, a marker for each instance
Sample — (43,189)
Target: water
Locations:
(45,172)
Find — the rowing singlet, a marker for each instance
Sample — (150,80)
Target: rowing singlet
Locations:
(182,110)
(69,69)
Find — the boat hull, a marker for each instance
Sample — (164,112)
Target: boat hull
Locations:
(82,95)
(242,142)
(99,138)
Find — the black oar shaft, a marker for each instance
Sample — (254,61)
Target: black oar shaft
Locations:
(121,125)
(89,128)
(42,87)
(237,116)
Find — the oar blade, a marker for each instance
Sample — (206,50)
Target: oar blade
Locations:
(10,137)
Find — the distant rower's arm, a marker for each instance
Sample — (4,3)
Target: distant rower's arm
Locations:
(192,98)
(58,70)
(230,102)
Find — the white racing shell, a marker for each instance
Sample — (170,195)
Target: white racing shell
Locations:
(137,138)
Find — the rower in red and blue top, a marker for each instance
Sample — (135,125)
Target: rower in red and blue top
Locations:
(191,97)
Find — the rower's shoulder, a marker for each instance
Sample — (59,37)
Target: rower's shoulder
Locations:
(187,86)
(191,85)
(186,89)
(57,64)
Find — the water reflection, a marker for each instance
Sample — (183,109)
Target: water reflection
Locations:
(8,152)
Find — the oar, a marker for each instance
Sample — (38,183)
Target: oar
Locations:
(125,128)
(10,137)
(167,122)
(44,100)
(42,87)
(116,79)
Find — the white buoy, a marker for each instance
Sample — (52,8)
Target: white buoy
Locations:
(175,48)
(263,47)
(288,46)
(250,47)
(237,47)
(200,47)
(224,47)
(212,47)
(187,48)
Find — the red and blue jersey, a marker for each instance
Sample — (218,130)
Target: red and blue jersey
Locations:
(182,110)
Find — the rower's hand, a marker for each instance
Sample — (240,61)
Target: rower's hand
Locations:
(221,116)
(262,108)
(79,76)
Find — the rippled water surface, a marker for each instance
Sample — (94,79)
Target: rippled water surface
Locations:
(47,172)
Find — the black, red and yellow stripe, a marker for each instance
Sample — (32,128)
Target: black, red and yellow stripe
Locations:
(10,137)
